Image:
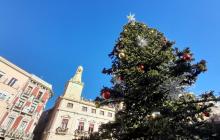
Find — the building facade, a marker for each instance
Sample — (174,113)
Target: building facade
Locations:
(23,97)
(73,117)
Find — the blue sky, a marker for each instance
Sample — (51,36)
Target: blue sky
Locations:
(51,38)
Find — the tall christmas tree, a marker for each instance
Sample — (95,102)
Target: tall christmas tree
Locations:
(150,81)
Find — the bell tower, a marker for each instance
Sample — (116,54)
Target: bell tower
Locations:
(74,86)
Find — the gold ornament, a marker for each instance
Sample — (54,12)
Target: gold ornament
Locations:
(121,55)
(97,104)
(152,31)
(155,114)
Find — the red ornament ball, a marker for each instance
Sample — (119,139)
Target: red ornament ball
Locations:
(106,94)
(187,57)
(206,114)
(141,67)
(120,78)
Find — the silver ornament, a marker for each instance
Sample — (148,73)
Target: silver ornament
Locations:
(141,41)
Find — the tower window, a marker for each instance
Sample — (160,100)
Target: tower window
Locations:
(84,109)
(93,111)
(69,105)
(102,113)
(109,114)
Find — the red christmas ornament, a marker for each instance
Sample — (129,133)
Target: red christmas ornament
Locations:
(164,41)
(141,67)
(206,114)
(186,57)
(120,78)
(106,94)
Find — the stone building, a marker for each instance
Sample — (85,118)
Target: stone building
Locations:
(73,117)
(23,97)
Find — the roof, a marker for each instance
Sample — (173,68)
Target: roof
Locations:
(31,76)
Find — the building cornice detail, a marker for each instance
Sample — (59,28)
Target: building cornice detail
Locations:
(88,103)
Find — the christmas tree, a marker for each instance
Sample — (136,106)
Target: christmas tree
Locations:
(150,81)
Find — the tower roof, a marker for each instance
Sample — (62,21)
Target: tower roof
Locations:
(77,78)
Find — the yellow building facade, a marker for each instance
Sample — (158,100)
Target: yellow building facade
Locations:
(23,97)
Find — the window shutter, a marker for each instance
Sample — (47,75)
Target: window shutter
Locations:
(17,121)
(45,96)
(39,108)
(35,91)
(5,115)
(16,99)
(29,126)
(28,103)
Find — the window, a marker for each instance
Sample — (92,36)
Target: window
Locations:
(64,123)
(102,113)
(81,126)
(29,89)
(12,82)
(2,96)
(93,111)
(20,104)
(39,94)
(1,75)
(32,109)
(23,125)
(91,127)
(109,114)
(69,105)
(9,122)
(84,109)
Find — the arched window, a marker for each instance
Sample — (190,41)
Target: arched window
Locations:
(64,123)
(91,127)
(81,126)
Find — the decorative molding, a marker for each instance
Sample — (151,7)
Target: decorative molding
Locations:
(82,119)
(66,116)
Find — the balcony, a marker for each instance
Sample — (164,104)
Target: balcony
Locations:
(81,133)
(15,134)
(25,95)
(36,100)
(61,131)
